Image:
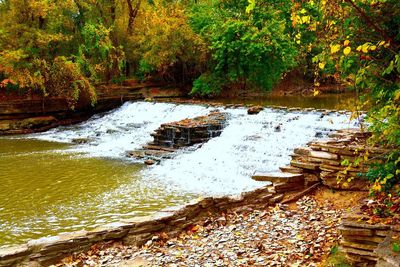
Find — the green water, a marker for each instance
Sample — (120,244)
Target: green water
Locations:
(325,101)
(44,191)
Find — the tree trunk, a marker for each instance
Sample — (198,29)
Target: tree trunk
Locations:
(133,11)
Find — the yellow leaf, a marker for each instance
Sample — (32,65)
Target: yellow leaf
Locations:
(359,48)
(376,187)
(335,48)
(397,95)
(365,48)
(381,43)
(346,43)
(321,65)
(305,19)
(347,50)
(372,47)
(316,92)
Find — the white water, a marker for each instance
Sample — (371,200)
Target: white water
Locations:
(223,165)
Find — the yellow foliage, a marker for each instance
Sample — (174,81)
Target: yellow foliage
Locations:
(365,47)
(347,50)
(305,19)
(163,38)
(376,187)
(335,48)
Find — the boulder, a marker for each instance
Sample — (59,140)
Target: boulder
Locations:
(254,110)
(149,162)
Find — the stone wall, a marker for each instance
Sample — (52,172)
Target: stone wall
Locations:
(138,230)
(322,160)
(367,244)
(32,115)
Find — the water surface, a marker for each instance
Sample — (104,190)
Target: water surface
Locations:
(49,185)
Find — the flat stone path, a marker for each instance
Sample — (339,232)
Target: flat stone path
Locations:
(299,234)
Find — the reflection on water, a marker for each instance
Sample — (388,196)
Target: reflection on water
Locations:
(324,101)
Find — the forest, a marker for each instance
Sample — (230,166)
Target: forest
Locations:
(53,48)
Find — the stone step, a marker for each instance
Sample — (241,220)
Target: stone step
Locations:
(291,169)
(304,165)
(351,231)
(357,245)
(279,177)
(155,147)
(323,155)
(323,161)
(285,187)
(326,167)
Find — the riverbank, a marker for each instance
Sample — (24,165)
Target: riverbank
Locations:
(302,233)
(21,115)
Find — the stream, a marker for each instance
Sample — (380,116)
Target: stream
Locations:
(50,185)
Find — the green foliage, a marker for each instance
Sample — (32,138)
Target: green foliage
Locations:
(250,48)
(207,85)
(336,258)
(360,47)
(385,174)
(395,247)
(98,58)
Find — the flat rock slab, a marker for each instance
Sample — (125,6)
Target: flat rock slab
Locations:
(291,169)
(304,165)
(323,155)
(279,177)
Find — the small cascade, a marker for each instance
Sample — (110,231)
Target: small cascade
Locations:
(224,164)
(94,181)
(188,132)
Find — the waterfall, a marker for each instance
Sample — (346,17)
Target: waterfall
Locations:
(223,165)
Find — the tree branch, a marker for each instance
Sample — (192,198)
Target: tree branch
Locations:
(370,22)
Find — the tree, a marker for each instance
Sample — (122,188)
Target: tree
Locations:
(164,45)
(359,43)
(249,46)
